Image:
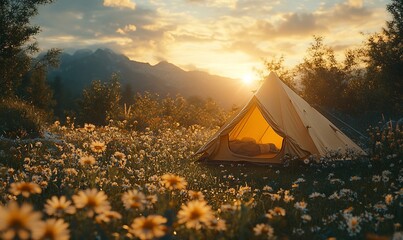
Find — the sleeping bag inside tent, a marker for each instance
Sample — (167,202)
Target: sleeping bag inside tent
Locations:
(274,123)
(253,136)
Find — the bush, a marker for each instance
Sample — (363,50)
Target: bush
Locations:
(155,112)
(20,120)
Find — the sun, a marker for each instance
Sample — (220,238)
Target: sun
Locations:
(248,78)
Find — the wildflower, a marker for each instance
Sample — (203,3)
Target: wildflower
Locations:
(275,196)
(89,127)
(107,216)
(70,171)
(306,160)
(87,160)
(376,178)
(306,218)
(380,207)
(348,210)
(152,199)
(388,199)
(133,199)
(98,147)
(24,188)
(17,222)
(355,178)
(195,214)
(353,225)
(93,200)
(267,188)
(58,206)
(242,190)
(301,205)
(172,181)
(277,211)
(55,229)
(195,195)
(263,229)
(119,155)
(218,225)
(288,198)
(316,194)
(149,227)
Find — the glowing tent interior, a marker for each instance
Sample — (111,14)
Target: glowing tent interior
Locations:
(275,122)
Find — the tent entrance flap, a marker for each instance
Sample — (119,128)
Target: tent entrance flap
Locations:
(253,135)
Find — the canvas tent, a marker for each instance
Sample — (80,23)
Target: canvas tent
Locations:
(275,122)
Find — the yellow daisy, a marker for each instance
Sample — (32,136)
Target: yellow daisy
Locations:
(149,227)
(172,181)
(133,199)
(93,200)
(58,206)
(18,222)
(89,127)
(98,147)
(52,229)
(25,188)
(87,160)
(195,214)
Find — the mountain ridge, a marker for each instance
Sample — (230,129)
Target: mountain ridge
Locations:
(79,69)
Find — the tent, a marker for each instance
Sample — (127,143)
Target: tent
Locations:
(275,122)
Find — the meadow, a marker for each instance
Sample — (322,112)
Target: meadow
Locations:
(114,182)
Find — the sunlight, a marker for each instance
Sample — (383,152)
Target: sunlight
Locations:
(248,79)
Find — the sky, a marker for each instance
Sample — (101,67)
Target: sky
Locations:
(223,37)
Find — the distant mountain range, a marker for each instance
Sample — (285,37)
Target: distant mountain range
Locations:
(78,70)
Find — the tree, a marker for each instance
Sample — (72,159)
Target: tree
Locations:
(100,101)
(322,77)
(277,65)
(127,94)
(384,59)
(17,45)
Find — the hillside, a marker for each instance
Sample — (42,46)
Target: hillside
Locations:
(78,70)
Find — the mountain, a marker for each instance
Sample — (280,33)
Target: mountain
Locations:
(78,70)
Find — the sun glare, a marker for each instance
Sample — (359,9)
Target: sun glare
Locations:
(248,79)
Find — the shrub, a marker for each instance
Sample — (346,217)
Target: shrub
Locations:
(19,119)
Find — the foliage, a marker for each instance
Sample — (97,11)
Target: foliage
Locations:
(150,110)
(100,101)
(20,120)
(277,65)
(384,59)
(321,76)
(17,45)
(386,140)
(304,201)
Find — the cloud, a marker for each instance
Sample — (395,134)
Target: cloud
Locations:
(220,35)
(120,4)
(216,3)
(126,29)
(300,24)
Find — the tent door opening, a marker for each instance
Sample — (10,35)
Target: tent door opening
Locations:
(254,137)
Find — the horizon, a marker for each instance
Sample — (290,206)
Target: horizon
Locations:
(237,35)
